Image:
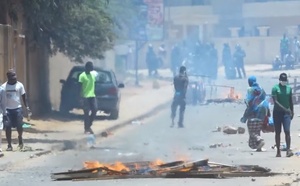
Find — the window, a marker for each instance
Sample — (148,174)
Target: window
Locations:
(101,76)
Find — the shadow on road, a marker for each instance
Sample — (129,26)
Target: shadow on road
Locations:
(56,115)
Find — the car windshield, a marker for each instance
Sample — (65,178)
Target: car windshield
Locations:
(101,76)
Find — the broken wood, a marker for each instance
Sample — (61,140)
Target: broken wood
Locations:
(176,169)
(184,166)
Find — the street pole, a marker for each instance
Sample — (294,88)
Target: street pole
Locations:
(136,63)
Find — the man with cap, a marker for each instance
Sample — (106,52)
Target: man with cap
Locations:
(15,91)
(283,112)
(255,114)
(181,82)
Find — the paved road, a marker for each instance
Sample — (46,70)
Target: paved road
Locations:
(154,139)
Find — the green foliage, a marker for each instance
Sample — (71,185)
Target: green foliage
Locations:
(77,28)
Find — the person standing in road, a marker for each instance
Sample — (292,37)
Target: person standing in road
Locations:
(284,46)
(239,56)
(283,112)
(87,80)
(180,85)
(14,91)
(255,114)
(3,116)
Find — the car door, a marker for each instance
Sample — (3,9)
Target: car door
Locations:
(72,88)
(104,85)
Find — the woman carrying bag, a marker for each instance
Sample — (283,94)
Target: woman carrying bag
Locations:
(256,113)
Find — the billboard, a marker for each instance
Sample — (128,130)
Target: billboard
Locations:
(149,24)
(155,19)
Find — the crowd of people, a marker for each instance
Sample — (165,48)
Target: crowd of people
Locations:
(289,53)
(199,58)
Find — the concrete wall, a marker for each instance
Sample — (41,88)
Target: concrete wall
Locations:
(276,9)
(59,68)
(6,50)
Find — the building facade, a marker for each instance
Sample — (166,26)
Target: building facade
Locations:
(257,25)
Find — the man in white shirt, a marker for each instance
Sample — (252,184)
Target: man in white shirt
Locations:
(3,116)
(14,93)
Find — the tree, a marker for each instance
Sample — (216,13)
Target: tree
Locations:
(77,28)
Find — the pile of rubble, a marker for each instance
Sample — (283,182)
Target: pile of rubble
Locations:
(230,130)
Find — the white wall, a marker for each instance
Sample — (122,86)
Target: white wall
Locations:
(272,9)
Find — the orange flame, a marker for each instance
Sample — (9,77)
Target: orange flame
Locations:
(233,95)
(156,163)
(118,166)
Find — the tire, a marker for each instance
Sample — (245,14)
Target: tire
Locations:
(114,115)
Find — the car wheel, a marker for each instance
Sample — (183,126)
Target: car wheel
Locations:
(114,114)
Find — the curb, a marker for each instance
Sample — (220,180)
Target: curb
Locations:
(73,144)
(69,145)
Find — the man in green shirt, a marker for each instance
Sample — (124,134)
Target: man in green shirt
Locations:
(87,80)
(283,112)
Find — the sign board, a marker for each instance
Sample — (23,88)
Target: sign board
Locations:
(149,24)
(155,19)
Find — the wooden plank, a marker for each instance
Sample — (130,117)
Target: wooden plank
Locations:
(220,164)
(186,165)
(171,164)
(113,177)
(71,176)
(218,174)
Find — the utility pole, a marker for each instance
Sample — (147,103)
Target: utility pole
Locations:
(136,63)
(140,36)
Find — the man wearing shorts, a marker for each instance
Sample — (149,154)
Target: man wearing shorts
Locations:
(3,116)
(14,93)
(283,112)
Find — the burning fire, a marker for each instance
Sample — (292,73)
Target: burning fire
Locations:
(118,166)
(233,95)
(156,163)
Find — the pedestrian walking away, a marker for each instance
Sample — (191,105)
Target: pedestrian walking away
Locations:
(15,91)
(255,114)
(3,116)
(239,56)
(180,85)
(87,80)
(283,112)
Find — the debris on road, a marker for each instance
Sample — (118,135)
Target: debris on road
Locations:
(218,129)
(200,148)
(225,100)
(136,122)
(219,145)
(241,130)
(105,134)
(230,130)
(233,130)
(158,169)
(282,147)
